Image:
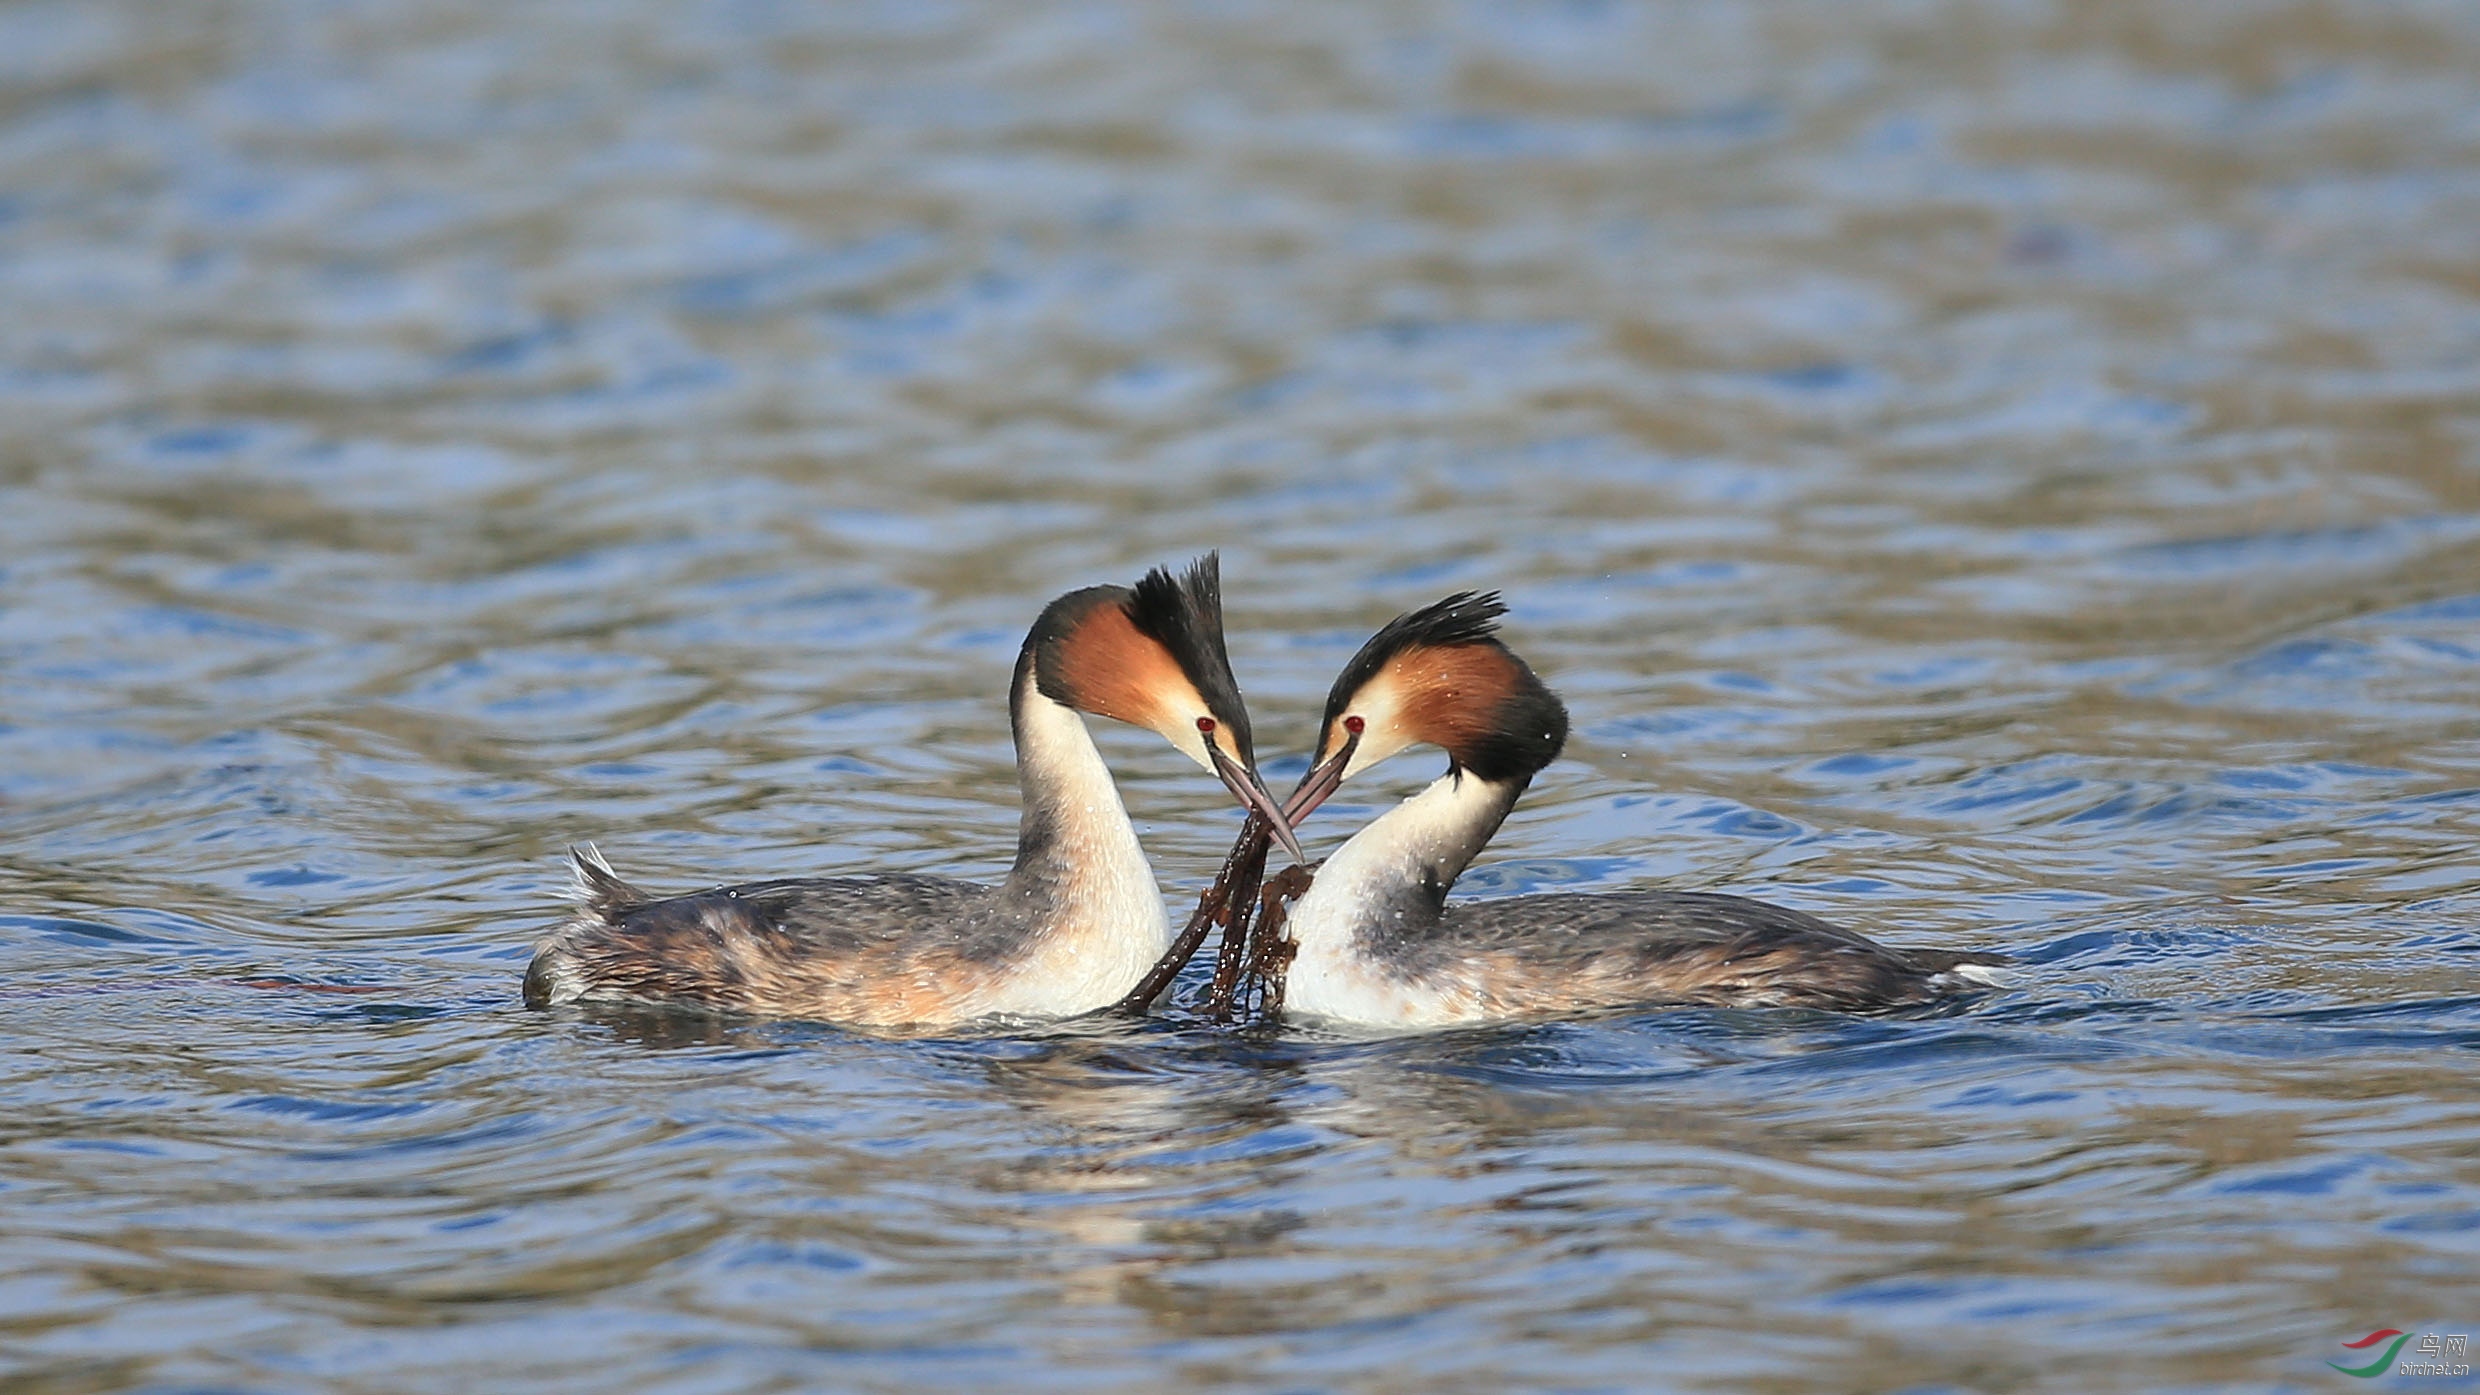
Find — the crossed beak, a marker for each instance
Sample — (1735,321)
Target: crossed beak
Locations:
(1250,790)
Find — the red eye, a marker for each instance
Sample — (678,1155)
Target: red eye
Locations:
(1354,725)
(1206,725)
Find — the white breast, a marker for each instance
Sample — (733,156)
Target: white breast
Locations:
(1335,975)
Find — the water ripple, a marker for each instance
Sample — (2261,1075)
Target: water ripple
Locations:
(2002,486)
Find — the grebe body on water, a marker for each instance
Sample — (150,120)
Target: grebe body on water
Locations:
(1075,925)
(1377,944)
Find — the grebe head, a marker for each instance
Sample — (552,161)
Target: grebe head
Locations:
(1152,655)
(1440,676)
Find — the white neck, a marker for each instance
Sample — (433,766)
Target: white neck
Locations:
(1381,892)
(1401,864)
(1100,919)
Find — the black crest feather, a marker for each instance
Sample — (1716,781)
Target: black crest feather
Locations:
(1530,726)
(1184,615)
(1467,617)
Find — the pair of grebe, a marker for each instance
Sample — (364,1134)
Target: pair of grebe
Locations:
(1079,922)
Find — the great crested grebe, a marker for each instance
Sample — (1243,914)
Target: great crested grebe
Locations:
(1075,925)
(1376,944)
